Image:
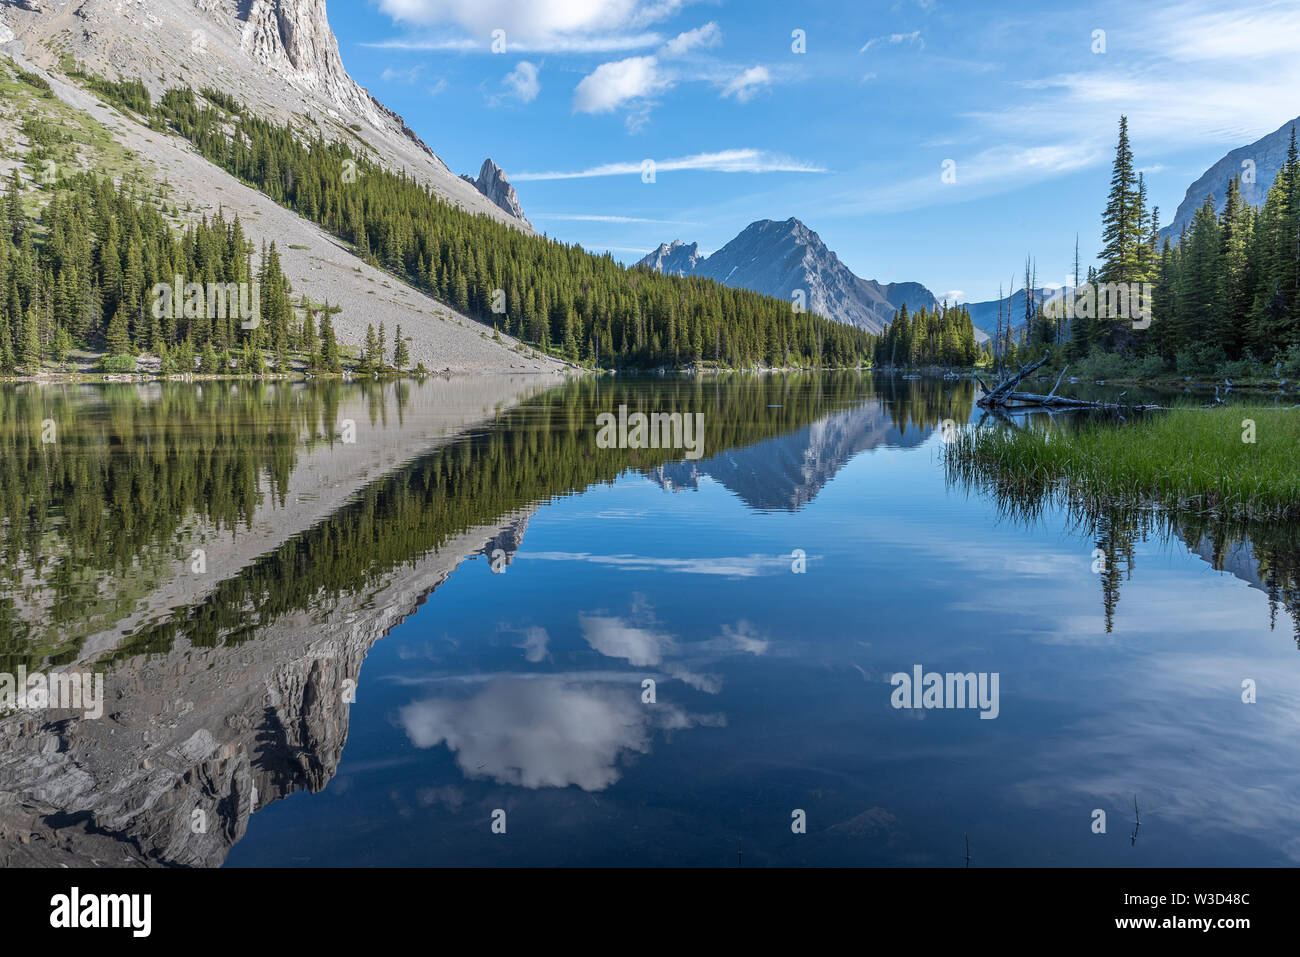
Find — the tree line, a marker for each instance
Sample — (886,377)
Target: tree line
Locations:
(1225,292)
(89,283)
(944,336)
(560,298)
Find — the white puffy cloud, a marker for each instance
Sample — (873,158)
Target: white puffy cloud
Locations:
(611,85)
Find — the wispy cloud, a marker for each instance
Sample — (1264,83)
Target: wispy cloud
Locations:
(520,84)
(985,173)
(748,84)
(1199,73)
(709,35)
(595,218)
(391,75)
(614,43)
(724,161)
(895,39)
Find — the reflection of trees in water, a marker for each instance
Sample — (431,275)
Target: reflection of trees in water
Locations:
(1114,536)
(95,516)
(1263,554)
(108,508)
(529,455)
(923,403)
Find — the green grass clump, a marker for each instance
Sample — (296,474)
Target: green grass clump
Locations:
(1186,460)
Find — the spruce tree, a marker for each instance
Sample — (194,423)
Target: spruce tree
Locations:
(401,358)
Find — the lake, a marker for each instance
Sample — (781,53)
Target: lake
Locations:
(367,624)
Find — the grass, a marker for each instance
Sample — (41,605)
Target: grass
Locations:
(1185,461)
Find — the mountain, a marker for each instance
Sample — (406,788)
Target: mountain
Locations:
(493,184)
(781,259)
(984,315)
(1267,154)
(281,59)
(279,56)
(675,260)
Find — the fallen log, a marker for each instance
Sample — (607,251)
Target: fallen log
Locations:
(1005,395)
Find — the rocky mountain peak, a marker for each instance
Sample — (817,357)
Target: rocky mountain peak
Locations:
(787,260)
(677,259)
(278,57)
(1257,164)
(493,184)
(294,36)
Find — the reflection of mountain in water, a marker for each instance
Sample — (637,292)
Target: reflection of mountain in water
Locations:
(789,471)
(232,689)
(195,739)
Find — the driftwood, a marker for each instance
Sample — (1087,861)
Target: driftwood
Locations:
(1005,395)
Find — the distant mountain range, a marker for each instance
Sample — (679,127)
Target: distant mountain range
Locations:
(1262,159)
(984,315)
(780,258)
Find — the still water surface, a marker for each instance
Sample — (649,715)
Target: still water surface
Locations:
(455,613)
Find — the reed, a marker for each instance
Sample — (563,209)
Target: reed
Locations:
(1185,460)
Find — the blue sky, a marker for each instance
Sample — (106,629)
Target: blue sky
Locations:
(851,135)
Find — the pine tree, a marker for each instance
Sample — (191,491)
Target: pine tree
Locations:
(118,338)
(401,358)
(29,354)
(370,353)
(328,344)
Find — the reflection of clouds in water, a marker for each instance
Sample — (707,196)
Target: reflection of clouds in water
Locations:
(744,636)
(1176,733)
(746,566)
(710,684)
(534,644)
(545,733)
(451,798)
(619,638)
(642,647)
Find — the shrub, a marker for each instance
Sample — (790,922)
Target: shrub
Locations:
(117,365)
(1152,366)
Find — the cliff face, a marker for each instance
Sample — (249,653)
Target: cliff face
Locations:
(1258,164)
(295,36)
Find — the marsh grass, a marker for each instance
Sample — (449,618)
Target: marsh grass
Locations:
(1185,460)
